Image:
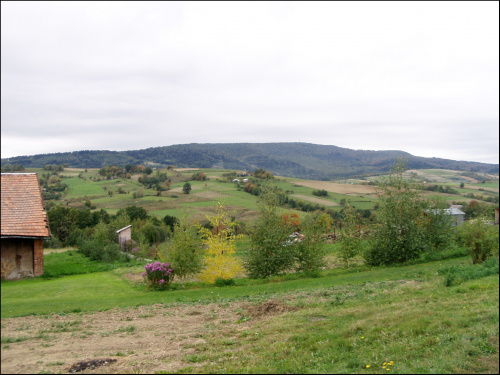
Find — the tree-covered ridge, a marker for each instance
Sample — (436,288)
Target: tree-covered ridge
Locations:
(300,160)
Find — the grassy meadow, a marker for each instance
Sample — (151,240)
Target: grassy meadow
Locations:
(401,319)
(104,194)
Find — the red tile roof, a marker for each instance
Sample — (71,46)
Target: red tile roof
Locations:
(23,212)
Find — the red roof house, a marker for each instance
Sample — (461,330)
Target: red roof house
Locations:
(24,225)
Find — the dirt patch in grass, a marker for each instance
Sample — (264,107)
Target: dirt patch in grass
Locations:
(62,250)
(270,307)
(143,339)
(83,365)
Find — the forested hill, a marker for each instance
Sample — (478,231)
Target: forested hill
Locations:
(301,160)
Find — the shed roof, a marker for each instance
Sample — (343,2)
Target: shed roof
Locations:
(454,211)
(22,211)
(450,211)
(121,230)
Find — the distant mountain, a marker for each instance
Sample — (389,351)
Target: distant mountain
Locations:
(301,160)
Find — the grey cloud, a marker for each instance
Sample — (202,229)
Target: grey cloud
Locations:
(422,78)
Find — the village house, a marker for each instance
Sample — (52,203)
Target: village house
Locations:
(457,215)
(24,226)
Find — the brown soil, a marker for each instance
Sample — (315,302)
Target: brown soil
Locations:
(62,250)
(323,202)
(270,307)
(141,339)
(333,187)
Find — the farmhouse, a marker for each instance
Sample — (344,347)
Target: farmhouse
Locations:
(24,226)
(456,214)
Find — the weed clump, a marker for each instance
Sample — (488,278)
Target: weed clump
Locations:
(456,275)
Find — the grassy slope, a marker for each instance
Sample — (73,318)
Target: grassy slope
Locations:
(343,322)
(204,193)
(103,290)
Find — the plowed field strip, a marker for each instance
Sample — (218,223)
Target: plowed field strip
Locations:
(323,202)
(338,188)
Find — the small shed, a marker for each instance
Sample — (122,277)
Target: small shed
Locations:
(24,226)
(124,235)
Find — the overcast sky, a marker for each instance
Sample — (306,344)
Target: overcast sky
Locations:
(421,77)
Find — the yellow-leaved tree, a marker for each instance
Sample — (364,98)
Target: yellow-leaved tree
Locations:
(220,262)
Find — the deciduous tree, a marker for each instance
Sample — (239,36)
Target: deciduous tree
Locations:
(219,261)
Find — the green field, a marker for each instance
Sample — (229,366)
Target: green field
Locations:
(360,320)
(205,194)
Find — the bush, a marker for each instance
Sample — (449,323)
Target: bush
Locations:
(480,237)
(158,275)
(224,282)
(112,253)
(109,253)
(170,221)
(150,233)
(76,237)
(320,193)
(52,243)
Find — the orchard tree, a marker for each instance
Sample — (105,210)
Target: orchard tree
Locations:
(311,251)
(186,188)
(271,252)
(184,251)
(351,243)
(480,237)
(400,236)
(438,224)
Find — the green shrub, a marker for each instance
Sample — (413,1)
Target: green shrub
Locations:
(112,253)
(109,253)
(224,282)
(52,243)
(76,237)
(480,237)
(456,275)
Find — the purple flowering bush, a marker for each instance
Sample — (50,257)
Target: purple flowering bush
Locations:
(158,275)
